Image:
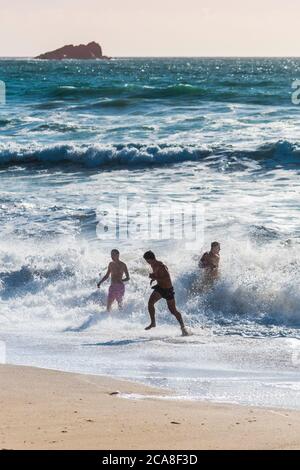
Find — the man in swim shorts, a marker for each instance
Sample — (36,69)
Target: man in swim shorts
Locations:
(162,290)
(116,270)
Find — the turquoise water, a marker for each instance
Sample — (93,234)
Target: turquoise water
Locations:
(137,107)
(222,133)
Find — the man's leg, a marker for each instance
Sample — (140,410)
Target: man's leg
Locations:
(110,299)
(177,315)
(120,297)
(109,304)
(154,297)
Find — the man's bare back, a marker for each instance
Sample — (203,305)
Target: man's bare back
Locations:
(210,262)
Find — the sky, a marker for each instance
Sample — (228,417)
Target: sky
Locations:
(152,27)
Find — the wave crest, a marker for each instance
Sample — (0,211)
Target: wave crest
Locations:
(281,153)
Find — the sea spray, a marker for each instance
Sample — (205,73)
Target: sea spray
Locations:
(55,287)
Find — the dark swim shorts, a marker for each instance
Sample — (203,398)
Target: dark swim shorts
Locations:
(167,294)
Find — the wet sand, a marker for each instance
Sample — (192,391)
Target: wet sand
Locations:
(45,409)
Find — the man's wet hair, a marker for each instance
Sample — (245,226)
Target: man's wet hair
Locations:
(149,255)
(215,244)
(115,252)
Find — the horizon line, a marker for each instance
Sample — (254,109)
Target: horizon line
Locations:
(166,57)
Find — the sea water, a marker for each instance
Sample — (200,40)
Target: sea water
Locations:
(220,133)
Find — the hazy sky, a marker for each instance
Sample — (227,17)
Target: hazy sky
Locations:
(152,27)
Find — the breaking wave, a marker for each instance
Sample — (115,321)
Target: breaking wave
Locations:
(281,153)
(56,289)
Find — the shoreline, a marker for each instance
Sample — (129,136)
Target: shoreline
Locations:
(48,409)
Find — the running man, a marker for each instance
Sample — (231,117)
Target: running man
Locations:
(210,264)
(116,270)
(162,290)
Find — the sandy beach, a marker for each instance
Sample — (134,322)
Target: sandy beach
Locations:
(45,409)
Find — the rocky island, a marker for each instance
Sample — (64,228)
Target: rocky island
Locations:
(91,50)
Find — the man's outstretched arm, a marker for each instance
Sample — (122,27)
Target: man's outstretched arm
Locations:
(104,277)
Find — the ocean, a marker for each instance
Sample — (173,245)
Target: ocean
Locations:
(222,134)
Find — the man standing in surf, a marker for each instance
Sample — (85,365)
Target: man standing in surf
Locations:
(162,290)
(116,270)
(210,265)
